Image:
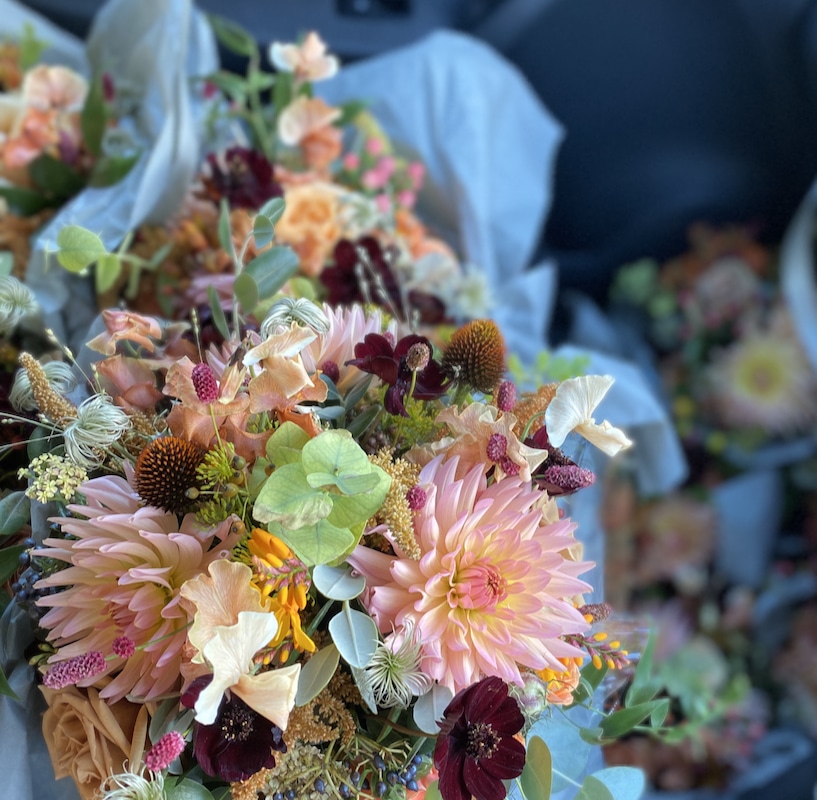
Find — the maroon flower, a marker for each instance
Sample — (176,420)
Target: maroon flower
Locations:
(376,356)
(343,281)
(476,749)
(239,743)
(243,176)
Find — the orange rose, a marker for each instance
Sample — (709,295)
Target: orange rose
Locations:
(88,739)
(310,225)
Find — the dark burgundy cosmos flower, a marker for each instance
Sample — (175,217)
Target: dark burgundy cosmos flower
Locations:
(476,749)
(239,743)
(376,356)
(558,475)
(343,283)
(243,176)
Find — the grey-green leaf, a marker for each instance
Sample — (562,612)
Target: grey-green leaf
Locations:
(15,511)
(316,674)
(355,635)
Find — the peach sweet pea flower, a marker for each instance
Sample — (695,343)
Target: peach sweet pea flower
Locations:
(311,224)
(230,626)
(54,87)
(482,435)
(304,116)
(571,409)
(131,382)
(127,326)
(308,61)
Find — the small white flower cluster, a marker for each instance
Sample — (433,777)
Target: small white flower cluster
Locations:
(53,478)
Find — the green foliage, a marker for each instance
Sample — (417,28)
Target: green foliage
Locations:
(78,248)
(320,495)
(233,36)
(548,368)
(31,48)
(537,776)
(94,117)
(15,511)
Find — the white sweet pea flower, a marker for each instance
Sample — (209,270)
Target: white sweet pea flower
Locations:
(571,409)
(308,61)
(230,652)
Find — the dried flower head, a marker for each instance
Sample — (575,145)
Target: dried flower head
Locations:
(475,356)
(291,309)
(99,424)
(165,472)
(59,376)
(16,302)
(133,786)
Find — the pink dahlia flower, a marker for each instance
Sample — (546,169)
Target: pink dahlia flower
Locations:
(126,566)
(491,591)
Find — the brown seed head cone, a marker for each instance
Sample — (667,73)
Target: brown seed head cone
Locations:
(51,404)
(165,470)
(475,356)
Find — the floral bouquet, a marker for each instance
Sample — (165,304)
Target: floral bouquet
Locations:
(323,558)
(348,211)
(730,360)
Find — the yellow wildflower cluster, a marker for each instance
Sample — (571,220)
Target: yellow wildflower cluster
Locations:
(53,478)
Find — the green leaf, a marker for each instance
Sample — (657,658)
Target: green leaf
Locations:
(272,269)
(186,789)
(40,442)
(625,719)
(109,170)
(6,263)
(321,543)
(10,561)
(54,177)
(568,751)
(355,635)
(433,792)
(263,231)
(15,511)
(108,269)
(5,688)
(288,499)
(316,674)
(78,248)
(286,444)
(348,512)
(233,36)
(429,708)
(219,320)
(537,776)
(31,48)
(591,678)
(594,789)
(335,453)
(234,86)
(245,290)
(338,583)
(592,735)
(23,202)
(282,91)
(94,117)
(624,783)
(273,209)
(225,235)
(348,112)
(358,426)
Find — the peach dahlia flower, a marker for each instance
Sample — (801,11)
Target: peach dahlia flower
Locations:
(491,591)
(126,567)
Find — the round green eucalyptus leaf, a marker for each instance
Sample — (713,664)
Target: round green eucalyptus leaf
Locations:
(316,674)
(429,708)
(624,783)
(338,583)
(355,635)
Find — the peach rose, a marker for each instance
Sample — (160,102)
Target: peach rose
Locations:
(310,224)
(88,740)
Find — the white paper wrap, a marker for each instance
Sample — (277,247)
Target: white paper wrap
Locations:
(152,49)
(490,149)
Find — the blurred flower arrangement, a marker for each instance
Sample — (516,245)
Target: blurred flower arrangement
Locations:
(348,213)
(58,134)
(730,361)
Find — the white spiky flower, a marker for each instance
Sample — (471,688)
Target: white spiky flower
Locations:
(133,786)
(60,378)
(393,674)
(16,302)
(291,309)
(99,424)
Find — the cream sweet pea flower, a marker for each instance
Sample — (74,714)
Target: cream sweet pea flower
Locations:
(303,117)
(571,409)
(308,61)
(230,653)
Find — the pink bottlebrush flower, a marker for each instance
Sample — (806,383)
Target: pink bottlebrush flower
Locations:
(406,199)
(165,751)
(416,171)
(123,646)
(386,166)
(126,566)
(383,203)
(492,590)
(374,179)
(351,162)
(505,398)
(74,670)
(374,146)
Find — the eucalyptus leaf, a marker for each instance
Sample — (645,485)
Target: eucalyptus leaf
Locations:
(78,248)
(625,719)
(272,268)
(624,783)
(108,268)
(365,689)
(338,583)
(262,231)
(273,209)
(10,561)
(186,789)
(568,750)
(316,674)
(225,235)
(593,789)
(233,36)
(245,290)
(15,511)
(537,775)
(219,320)
(430,707)
(355,635)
